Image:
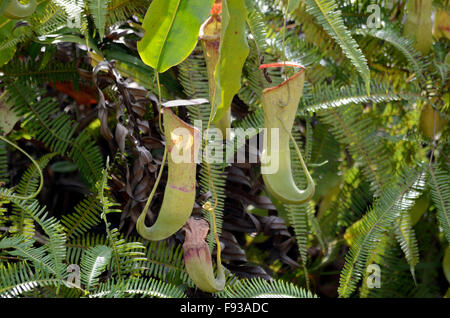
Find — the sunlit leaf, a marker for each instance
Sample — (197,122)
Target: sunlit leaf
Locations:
(233,52)
(171,31)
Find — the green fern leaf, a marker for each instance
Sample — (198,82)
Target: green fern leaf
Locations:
(4,175)
(417,63)
(98,10)
(133,287)
(43,119)
(86,216)
(260,288)
(440,194)
(408,242)
(28,184)
(93,264)
(351,127)
(17,279)
(399,197)
(121,10)
(323,96)
(330,19)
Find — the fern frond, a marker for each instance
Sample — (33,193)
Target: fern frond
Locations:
(417,63)
(98,10)
(194,80)
(137,287)
(55,245)
(326,13)
(395,271)
(406,237)
(121,10)
(42,116)
(29,181)
(296,50)
(323,96)
(55,129)
(351,127)
(18,278)
(93,264)
(86,155)
(165,262)
(349,205)
(85,216)
(160,260)
(383,255)
(252,83)
(77,246)
(73,10)
(315,33)
(33,72)
(439,180)
(53,18)
(193,77)
(254,119)
(28,184)
(387,209)
(298,218)
(256,25)
(218,178)
(260,288)
(298,213)
(125,255)
(23,248)
(4,175)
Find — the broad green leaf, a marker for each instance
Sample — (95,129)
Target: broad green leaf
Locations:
(98,9)
(171,31)
(233,52)
(133,67)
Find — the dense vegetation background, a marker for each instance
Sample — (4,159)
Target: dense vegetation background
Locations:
(372,125)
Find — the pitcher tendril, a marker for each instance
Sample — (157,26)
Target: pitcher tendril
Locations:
(207,206)
(41,176)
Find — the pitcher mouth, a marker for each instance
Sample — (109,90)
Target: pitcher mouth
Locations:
(282,64)
(195,131)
